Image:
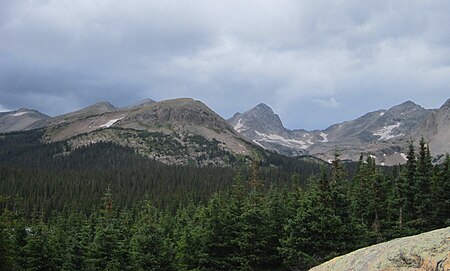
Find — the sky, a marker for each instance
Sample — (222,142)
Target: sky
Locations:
(314,62)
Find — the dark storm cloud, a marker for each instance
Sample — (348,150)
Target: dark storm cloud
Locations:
(314,62)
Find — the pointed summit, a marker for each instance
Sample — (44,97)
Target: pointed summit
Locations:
(405,108)
(264,107)
(259,118)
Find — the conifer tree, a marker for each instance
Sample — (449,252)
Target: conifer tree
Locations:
(440,192)
(36,250)
(7,253)
(422,185)
(410,176)
(149,249)
(105,245)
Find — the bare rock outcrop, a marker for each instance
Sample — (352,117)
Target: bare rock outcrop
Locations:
(428,251)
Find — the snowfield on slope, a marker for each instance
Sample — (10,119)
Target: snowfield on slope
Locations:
(385,133)
(109,123)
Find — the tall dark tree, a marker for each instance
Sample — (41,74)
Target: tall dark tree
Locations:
(422,186)
(149,248)
(410,176)
(440,195)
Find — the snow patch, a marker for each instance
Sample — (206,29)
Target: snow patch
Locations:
(259,144)
(404,156)
(373,156)
(324,136)
(283,141)
(386,132)
(238,127)
(19,114)
(109,123)
(382,163)
(381,114)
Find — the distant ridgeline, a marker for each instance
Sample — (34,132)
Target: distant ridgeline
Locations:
(51,176)
(114,216)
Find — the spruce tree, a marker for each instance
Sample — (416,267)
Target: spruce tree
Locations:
(422,186)
(410,175)
(440,192)
(150,251)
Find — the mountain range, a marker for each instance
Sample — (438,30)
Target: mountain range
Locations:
(178,131)
(383,134)
(185,131)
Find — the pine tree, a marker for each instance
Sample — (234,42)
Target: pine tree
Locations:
(150,251)
(440,192)
(78,241)
(422,185)
(410,176)
(105,245)
(192,240)
(7,244)
(311,236)
(36,250)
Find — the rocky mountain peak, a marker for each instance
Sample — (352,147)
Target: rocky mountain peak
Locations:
(264,108)
(260,118)
(103,105)
(446,105)
(406,106)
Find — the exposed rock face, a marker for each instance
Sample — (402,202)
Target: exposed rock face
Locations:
(436,128)
(264,128)
(18,120)
(382,133)
(427,251)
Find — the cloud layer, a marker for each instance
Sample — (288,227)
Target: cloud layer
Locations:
(314,62)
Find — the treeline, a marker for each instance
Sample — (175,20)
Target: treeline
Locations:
(250,227)
(49,177)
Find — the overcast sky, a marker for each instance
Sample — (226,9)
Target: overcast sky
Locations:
(314,62)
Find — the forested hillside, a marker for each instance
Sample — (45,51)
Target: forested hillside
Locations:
(52,176)
(267,219)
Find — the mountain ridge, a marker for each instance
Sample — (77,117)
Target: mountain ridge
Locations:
(176,131)
(382,133)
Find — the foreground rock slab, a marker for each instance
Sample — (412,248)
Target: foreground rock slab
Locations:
(426,251)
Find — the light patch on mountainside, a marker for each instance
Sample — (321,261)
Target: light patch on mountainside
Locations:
(324,137)
(238,127)
(110,122)
(259,144)
(426,251)
(283,141)
(404,156)
(18,114)
(385,133)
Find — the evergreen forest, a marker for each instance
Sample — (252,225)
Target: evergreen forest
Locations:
(104,207)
